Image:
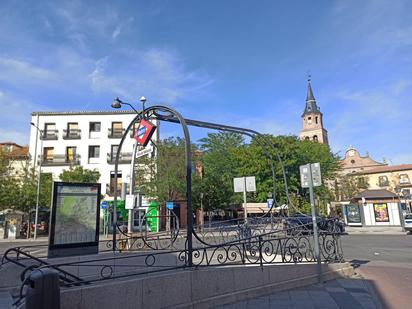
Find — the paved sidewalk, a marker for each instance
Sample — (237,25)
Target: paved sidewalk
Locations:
(334,294)
(376,230)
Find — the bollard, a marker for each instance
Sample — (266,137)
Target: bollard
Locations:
(44,290)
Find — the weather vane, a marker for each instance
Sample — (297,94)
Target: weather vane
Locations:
(308,75)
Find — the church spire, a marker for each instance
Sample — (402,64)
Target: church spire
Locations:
(309,96)
(311,106)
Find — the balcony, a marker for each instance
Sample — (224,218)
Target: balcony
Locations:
(115,133)
(110,189)
(72,134)
(124,158)
(49,134)
(61,159)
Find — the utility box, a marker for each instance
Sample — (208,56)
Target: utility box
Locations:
(44,290)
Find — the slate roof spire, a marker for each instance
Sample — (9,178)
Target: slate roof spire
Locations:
(311,106)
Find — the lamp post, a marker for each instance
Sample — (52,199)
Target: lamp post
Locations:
(38,178)
(117,103)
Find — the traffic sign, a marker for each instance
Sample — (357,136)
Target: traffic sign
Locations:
(144,132)
(239,184)
(103,205)
(144,152)
(169,205)
(270,202)
(310,173)
(130,201)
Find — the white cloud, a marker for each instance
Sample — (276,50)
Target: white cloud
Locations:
(120,27)
(155,73)
(19,71)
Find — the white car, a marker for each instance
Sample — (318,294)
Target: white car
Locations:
(408,222)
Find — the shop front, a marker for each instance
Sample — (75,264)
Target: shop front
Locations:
(374,208)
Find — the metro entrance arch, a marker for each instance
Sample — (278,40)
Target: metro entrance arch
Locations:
(168,114)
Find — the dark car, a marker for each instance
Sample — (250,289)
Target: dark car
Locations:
(301,223)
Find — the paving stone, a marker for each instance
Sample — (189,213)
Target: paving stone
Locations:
(279,296)
(334,289)
(351,283)
(345,300)
(258,303)
(356,290)
(319,294)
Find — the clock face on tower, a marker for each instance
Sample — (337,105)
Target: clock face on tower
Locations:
(351,153)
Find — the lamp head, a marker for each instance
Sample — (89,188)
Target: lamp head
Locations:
(32,123)
(117,103)
(142,99)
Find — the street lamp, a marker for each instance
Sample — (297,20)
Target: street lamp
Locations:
(38,179)
(117,103)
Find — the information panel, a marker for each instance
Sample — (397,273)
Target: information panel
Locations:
(74,226)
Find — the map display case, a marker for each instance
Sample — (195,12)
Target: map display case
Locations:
(74,220)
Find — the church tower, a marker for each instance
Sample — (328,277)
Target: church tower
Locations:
(312,120)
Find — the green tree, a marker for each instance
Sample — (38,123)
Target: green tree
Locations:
(347,186)
(163,178)
(292,153)
(21,192)
(79,174)
(220,165)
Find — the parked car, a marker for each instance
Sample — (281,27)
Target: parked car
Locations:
(301,223)
(408,222)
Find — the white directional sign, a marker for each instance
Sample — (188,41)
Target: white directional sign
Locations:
(240,182)
(305,175)
(130,200)
(143,152)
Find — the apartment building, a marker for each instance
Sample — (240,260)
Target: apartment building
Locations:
(89,139)
(18,156)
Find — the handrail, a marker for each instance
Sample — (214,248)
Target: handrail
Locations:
(19,252)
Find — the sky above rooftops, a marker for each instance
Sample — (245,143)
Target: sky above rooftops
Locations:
(242,63)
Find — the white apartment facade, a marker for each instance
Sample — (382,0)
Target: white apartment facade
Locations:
(86,138)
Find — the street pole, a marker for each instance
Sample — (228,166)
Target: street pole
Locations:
(244,199)
(38,180)
(131,191)
(315,225)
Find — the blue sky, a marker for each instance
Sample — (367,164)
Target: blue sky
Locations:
(234,62)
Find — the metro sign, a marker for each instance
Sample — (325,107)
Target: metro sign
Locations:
(144,132)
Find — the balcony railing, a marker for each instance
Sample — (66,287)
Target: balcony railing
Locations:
(124,158)
(61,159)
(116,133)
(72,134)
(49,134)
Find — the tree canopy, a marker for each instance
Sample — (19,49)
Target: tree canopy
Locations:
(222,156)
(80,174)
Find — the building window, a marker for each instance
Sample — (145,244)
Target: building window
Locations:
(94,151)
(404,179)
(94,126)
(309,120)
(383,181)
(406,193)
(70,153)
(316,119)
(114,152)
(48,153)
(72,131)
(315,138)
(306,138)
(112,183)
(50,131)
(381,212)
(352,161)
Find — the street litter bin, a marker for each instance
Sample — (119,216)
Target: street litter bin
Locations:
(44,289)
